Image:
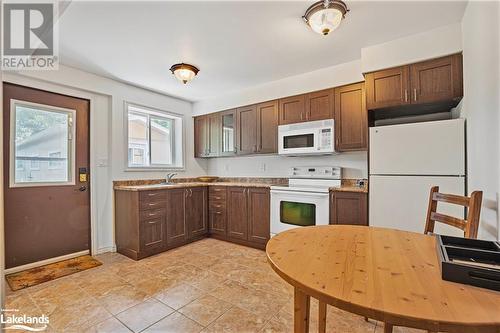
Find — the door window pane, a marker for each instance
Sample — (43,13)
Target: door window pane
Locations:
(228,133)
(42,144)
(298,213)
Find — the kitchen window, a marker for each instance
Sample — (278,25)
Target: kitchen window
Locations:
(154,139)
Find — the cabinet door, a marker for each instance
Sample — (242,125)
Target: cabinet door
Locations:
(351,119)
(217,221)
(201,136)
(196,211)
(228,133)
(258,215)
(267,127)
(152,234)
(176,222)
(214,134)
(237,213)
(436,80)
(387,88)
(292,110)
(319,105)
(348,208)
(247,130)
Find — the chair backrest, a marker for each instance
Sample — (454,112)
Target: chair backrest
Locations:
(473,204)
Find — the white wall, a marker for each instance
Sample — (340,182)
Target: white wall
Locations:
(481,107)
(329,77)
(422,46)
(2,243)
(108,149)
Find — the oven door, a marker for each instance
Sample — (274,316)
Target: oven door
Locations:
(292,209)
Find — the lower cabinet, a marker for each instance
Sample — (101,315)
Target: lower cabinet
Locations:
(237,213)
(149,222)
(349,208)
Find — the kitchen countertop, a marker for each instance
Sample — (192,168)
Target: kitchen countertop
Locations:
(349,188)
(150,187)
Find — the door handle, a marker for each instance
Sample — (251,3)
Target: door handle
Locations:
(82,188)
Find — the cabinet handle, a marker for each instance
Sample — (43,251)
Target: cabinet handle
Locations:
(190,192)
(406,95)
(301,116)
(152,214)
(415,94)
(152,204)
(216,198)
(151,222)
(218,213)
(152,194)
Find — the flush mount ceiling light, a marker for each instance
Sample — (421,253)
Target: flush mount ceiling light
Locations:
(184,72)
(325,16)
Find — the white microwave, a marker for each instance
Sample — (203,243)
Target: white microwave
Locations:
(308,138)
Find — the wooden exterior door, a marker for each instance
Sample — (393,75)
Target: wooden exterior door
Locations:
(214,134)
(196,211)
(201,136)
(176,221)
(292,110)
(258,215)
(387,88)
(348,208)
(46,163)
(237,213)
(351,118)
(247,130)
(267,127)
(436,80)
(319,105)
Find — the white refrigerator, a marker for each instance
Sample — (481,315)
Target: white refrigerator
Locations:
(405,162)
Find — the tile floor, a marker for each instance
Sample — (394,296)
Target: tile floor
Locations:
(207,286)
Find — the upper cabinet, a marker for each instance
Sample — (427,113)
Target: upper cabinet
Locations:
(316,105)
(206,135)
(267,127)
(247,130)
(433,81)
(228,133)
(351,120)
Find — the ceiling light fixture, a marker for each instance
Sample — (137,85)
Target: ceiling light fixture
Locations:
(325,16)
(184,72)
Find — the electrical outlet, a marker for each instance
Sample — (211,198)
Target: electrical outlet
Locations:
(262,167)
(226,167)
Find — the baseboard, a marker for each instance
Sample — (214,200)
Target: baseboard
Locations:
(106,249)
(45,262)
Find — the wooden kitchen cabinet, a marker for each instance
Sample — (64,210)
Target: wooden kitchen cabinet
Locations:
(349,208)
(201,136)
(433,81)
(247,130)
(176,212)
(237,213)
(267,127)
(196,212)
(351,118)
(319,105)
(292,109)
(386,88)
(217,210)
(207,135)
(214,134)
(258,215)
(228,132)
(152,234)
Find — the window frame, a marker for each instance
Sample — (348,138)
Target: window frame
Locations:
(178,162)
(71,144)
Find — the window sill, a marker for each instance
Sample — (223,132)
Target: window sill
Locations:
(142,169)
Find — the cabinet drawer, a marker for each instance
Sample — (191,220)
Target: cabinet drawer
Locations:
(152,195)
(143,205)
(218,191)
(152,214)
(220,205)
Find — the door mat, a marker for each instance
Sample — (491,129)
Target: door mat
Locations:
(34,276)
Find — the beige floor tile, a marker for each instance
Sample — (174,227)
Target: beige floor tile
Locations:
(58,296)
(397,329)
(175,323)
(121,298)
(180,271)
(111,325)
(205,280)
(144,314)
(205,309)
(180,295)
(82,314)
(231,291)
(236,320)
(262,303)
(154,285)
(274,326)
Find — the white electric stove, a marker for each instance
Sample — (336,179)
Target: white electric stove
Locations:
(305,201)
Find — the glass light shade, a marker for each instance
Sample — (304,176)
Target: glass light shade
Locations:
(325,20)
(183,74)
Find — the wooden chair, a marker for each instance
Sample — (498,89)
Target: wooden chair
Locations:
(469,226)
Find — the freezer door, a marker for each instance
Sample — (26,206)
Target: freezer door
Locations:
(428,148)
(400,202)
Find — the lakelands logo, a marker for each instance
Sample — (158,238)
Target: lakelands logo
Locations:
(29,35)
(12,320)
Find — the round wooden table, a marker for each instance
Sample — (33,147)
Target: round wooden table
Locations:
(389,275)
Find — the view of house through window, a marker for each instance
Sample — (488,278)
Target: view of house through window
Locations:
(42,144)
(152,138)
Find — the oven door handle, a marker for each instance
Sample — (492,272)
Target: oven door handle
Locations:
(308,194)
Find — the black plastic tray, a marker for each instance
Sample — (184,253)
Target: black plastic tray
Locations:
(470,261)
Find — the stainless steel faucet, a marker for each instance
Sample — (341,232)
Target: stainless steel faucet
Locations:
(169,177)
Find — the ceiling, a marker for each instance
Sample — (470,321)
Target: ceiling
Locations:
(235,44)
